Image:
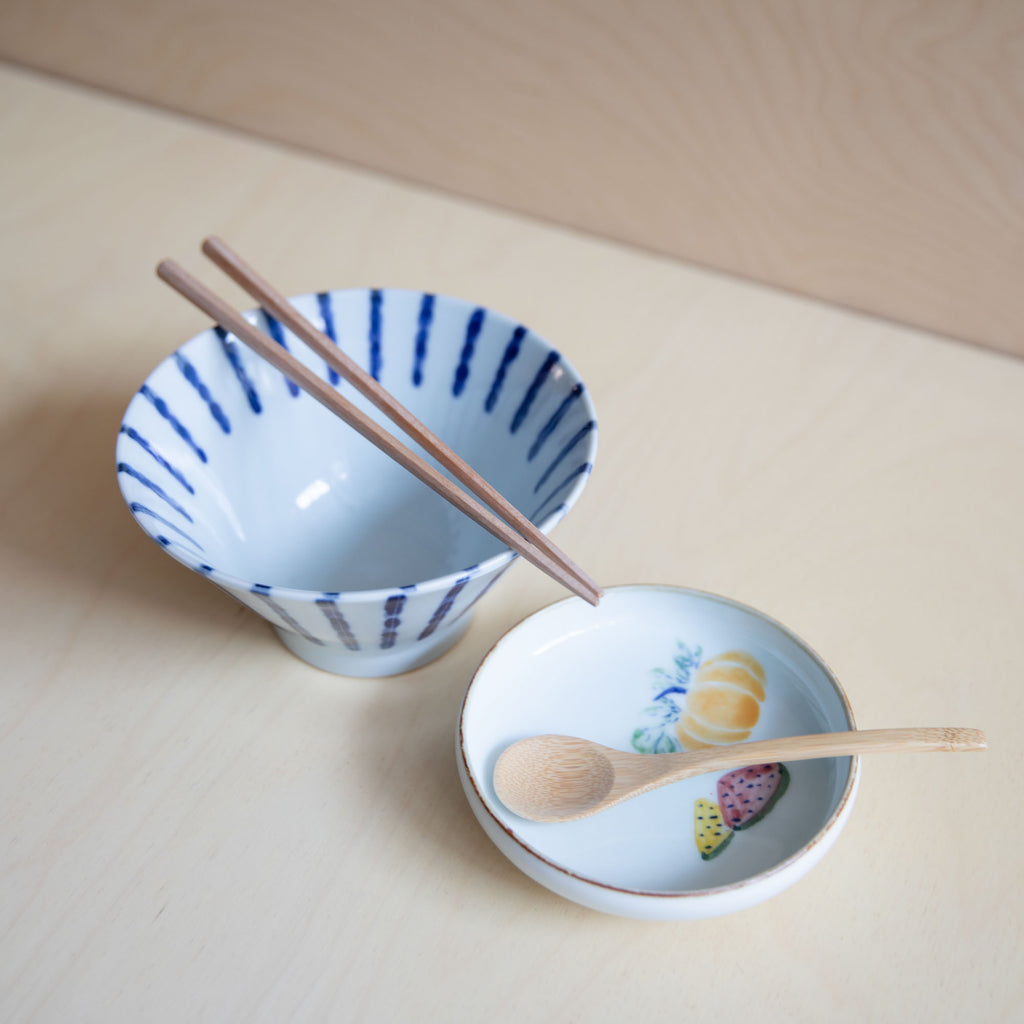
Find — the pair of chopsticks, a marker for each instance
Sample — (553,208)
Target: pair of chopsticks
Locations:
(513,528)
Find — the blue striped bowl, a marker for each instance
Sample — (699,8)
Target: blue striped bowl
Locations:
(360,568)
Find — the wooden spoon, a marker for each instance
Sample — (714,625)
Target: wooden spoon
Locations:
(562,778)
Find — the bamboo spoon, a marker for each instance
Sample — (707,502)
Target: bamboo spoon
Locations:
(562,778)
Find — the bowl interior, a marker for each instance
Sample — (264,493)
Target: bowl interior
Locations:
(228,464)
(626,674)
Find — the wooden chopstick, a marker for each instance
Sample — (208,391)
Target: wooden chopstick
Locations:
(271,299)
(232,320)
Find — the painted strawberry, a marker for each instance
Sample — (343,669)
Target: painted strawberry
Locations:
(748,794)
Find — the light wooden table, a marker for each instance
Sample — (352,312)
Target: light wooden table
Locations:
(196,826)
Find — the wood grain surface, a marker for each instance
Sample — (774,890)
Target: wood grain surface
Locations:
(866,153)
(195,826)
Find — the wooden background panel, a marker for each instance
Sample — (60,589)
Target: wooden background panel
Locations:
(866,152)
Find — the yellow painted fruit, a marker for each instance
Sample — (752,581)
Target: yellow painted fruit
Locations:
(723,704)
(735,667)
(710,832)
(709,735)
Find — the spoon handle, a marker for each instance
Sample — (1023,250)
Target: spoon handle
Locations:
(831,744)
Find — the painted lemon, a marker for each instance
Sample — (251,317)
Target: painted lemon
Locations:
(723,703)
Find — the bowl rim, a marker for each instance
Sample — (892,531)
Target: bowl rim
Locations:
(823,833)
(495,564)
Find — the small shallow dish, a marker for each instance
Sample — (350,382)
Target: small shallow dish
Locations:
(657,669)
(360,568)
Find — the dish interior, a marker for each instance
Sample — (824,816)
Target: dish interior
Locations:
(602,673)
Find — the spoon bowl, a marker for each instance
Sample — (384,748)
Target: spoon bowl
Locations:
(554,778)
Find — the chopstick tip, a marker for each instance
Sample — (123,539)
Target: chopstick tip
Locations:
(212,245)
(166,270)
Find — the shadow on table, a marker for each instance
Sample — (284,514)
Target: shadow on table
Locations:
(65,525)
(405,752)
(67,532)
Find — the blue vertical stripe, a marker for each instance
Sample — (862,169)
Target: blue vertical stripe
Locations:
(376,327)
(549,428)
(426,318)
(165,463)
(531,392)
(582,469)
(494,579)
(230,350)
(323,301)
(329,606)
(508,357)
(176,425)
(392,620)
(144,510)
(275,330)
(560,508)
(473,328)
(263,591)
(444,607)
(191,374)
(123,467)
(568,447)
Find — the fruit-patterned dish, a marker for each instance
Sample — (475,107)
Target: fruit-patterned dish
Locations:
(659,669)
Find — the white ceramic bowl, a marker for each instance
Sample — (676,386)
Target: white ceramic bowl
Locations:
(360,568)
(652,668)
